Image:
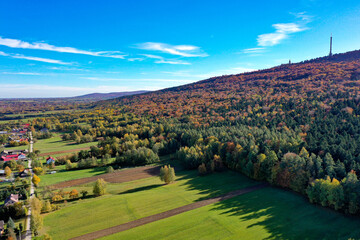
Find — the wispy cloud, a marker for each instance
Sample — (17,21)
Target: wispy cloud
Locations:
(160,59)
(22,73)
(253,50)
(15,43)
(135,59)
(303,16)
(283,30)
(47,60)
(179,50)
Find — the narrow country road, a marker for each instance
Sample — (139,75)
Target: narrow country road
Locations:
(28,227)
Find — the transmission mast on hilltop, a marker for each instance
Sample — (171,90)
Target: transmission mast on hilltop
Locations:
(330,54)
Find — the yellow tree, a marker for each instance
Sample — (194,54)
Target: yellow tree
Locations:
(36,180)
(7,171)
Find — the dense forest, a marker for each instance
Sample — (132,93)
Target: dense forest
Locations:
(296,126)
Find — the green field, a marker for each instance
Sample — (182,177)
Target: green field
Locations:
(55,144)
(264,214)
(63,175)
(133,200)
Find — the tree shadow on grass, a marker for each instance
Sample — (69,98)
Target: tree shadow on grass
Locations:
(215,184)
(283,214)
(144,188)
(287,215)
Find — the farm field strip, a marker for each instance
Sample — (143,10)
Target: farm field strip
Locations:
(268,213)
(64,151)
(125,175)
(170,213)
(126,202)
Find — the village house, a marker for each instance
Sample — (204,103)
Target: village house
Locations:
(13,198)
(50,160)
(24,173)
(8,155)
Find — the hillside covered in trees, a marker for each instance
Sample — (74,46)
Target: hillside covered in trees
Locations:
(296,126)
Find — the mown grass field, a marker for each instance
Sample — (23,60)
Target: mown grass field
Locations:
(269,213)
(56,144)
(61,175)
(133,200)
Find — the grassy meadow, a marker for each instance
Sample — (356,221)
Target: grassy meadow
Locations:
(62,175)
(269,213)
(137,199)
(56,144)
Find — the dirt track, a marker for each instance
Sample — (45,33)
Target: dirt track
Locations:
(64,151)
(156,217)
(116,177)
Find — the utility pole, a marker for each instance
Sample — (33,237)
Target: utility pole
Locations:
(330,54)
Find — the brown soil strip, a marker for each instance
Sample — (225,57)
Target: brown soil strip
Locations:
(170,213)
(64,151)
(116,177)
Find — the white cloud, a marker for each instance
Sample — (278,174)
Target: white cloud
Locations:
(172,62)
(253,50)
(303,16)
(163,60)
(135,59)
(15,43)
(283,30)
(47,60)
(23,73)
(179,50)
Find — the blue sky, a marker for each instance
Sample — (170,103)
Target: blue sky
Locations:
(67,48)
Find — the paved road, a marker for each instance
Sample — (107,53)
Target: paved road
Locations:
(28,227)
(170,213)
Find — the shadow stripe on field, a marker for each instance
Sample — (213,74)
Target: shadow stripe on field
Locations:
(170,213)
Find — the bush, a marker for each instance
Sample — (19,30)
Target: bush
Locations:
(38,170)
(84,193)
(74,194)
(110,169)
(202,169)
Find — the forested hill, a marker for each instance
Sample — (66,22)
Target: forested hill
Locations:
(296,126)
(323,80)
(318,100)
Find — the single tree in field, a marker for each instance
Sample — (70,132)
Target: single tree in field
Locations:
(7,171)
(99,187)
(167,174)
(36,180)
